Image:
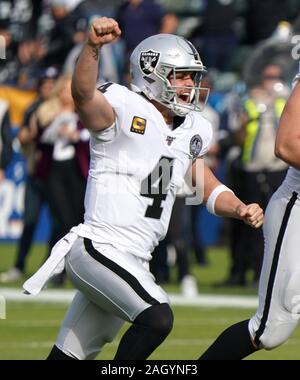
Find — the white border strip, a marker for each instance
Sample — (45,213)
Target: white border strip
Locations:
(204,300)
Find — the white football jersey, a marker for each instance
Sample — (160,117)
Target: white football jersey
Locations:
(137,166)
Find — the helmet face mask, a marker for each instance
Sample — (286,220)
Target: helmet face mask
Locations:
(161,57)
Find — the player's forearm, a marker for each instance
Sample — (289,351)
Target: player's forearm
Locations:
(85,74)
(227,205)
(223,202)
(219,199)
(102,31)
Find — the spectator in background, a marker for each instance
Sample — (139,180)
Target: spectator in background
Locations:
(22,16)
(70,17)
(262,17)
(256,173)
(36,192)
(5,158)
(140,19)
(59,127)
(8,66)
(61,37)
(215,37)
(18,26)
(5,138)
(109,8)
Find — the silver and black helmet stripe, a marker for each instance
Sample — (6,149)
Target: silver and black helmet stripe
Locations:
(194,50)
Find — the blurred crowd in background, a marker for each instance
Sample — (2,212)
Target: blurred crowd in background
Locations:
(250,50)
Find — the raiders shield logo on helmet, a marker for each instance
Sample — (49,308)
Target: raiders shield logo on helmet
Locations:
(148,61)
(195,146)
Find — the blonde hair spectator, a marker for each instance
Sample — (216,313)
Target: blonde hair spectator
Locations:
(60,100)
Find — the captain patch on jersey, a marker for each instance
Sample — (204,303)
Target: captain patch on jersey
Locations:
(138,125)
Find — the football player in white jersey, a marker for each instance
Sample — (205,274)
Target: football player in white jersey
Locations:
(142,144)
(278,311)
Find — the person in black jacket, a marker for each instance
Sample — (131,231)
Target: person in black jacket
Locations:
(5,138)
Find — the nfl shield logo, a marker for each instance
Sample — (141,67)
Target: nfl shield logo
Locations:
(170,139)
(148,61)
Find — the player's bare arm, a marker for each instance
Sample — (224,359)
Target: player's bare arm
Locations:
(288,135)
(94,110)
(223,201)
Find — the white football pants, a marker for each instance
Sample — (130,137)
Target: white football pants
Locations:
(113,287)
(279,287)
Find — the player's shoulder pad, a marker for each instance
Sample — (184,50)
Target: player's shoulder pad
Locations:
(115,93)
(200,122)
(103,87)
(111,87)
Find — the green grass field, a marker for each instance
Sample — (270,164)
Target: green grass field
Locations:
(206,276)
(30,329)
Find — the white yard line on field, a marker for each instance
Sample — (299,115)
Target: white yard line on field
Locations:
(48,344)
(31,323)
(26,345)
(203,300)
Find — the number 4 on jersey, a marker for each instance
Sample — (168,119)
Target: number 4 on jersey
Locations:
(155,186)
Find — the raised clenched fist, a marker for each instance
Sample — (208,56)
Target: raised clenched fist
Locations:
(102,31)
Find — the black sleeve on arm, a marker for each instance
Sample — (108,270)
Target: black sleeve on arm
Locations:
(6,137)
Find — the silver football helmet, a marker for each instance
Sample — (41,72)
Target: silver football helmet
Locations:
(160,57)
